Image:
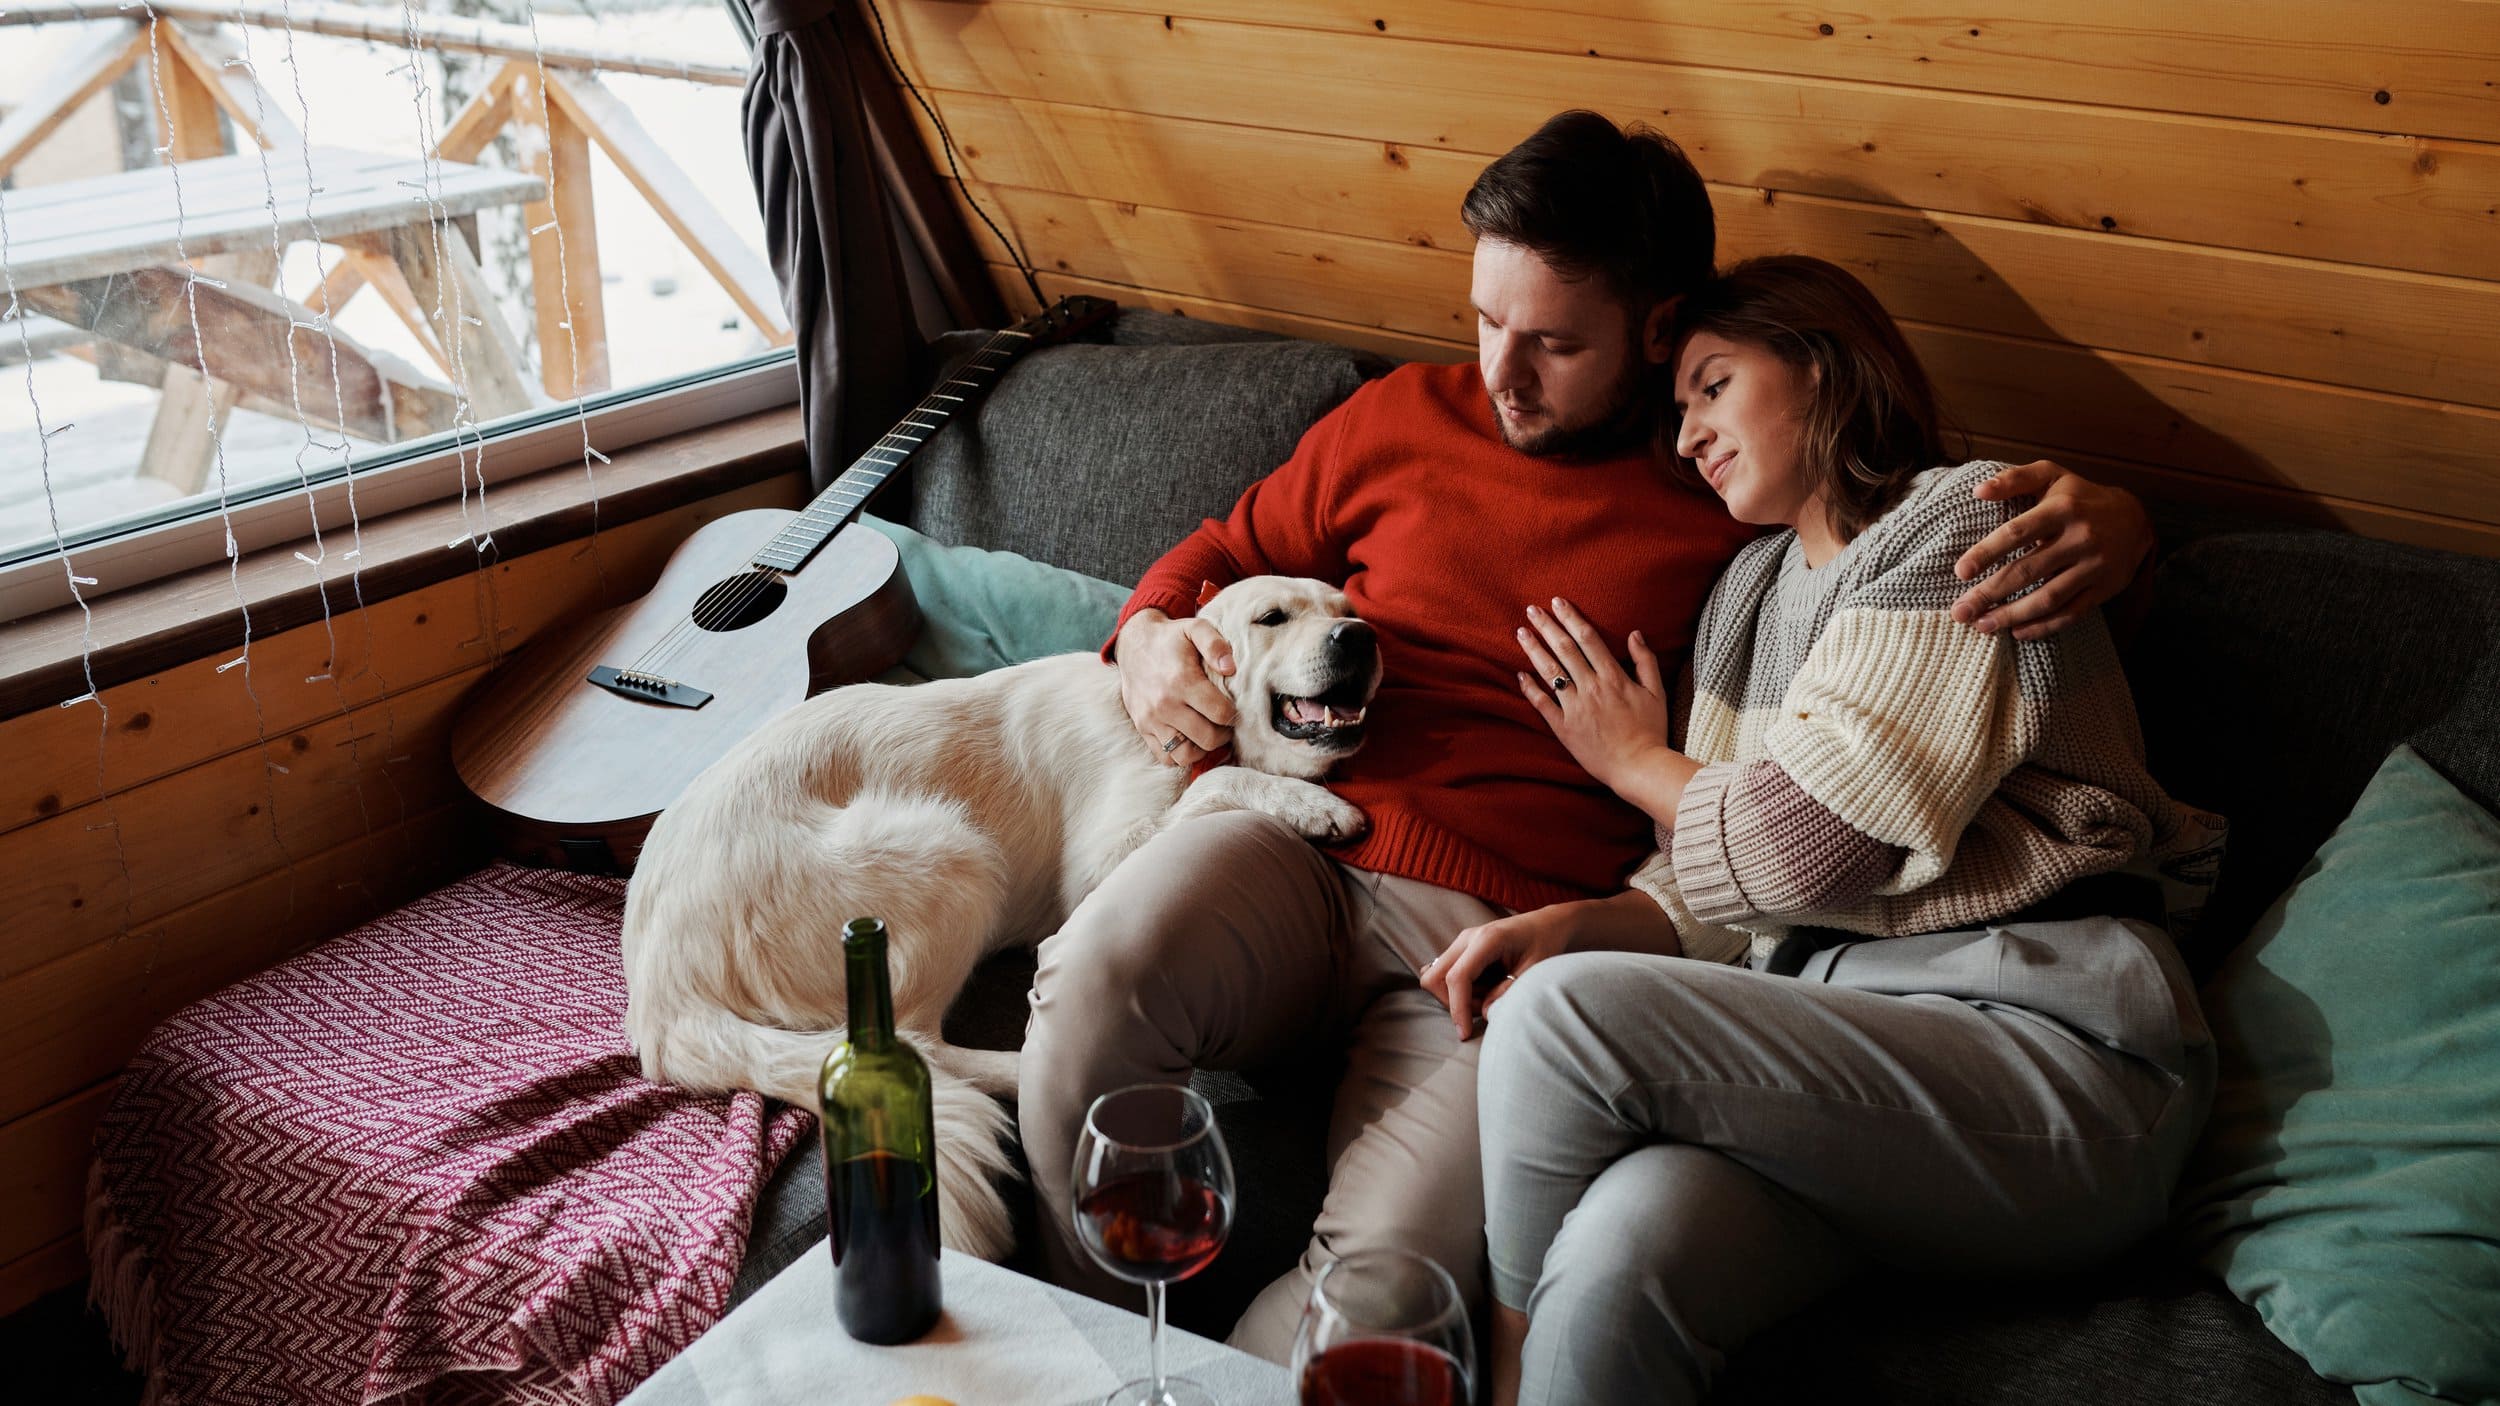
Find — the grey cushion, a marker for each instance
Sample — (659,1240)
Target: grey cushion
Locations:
(1099,458)
(2277,669)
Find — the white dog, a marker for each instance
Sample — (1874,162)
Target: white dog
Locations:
(971,815)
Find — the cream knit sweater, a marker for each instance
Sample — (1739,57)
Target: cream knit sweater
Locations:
(1873,766)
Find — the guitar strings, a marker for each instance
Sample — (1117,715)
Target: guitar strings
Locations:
(728,609)
(706,618)
(682,635)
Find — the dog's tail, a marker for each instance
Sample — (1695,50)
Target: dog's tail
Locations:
(715,1049)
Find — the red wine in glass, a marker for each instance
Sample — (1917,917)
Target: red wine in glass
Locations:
(1384,1328)
(1383,1372)
(1151,1201)
(1153,1227)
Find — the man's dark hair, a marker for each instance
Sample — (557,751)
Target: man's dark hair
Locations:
(1624,206)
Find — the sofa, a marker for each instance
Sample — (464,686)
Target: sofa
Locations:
(2274,670)
(2261,643)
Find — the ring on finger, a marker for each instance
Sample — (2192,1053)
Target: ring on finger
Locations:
(1561,682)
(1177,740)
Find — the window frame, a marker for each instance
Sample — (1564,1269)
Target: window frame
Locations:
(434,469)
(193,532)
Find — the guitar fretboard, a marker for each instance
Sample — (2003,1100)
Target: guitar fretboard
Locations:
(807,533)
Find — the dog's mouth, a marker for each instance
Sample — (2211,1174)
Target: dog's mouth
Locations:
(1331,723)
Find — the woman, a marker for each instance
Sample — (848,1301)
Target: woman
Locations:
(1711,1099)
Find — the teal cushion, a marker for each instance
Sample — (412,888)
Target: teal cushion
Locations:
(981,610)
(2349,1184)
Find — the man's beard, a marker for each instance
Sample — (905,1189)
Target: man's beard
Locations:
(1628,416)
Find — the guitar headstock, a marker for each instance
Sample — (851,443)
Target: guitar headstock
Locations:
(1068,319)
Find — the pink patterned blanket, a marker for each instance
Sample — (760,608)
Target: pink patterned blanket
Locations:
(420,1162)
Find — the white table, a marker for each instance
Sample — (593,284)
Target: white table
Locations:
(1006,1340)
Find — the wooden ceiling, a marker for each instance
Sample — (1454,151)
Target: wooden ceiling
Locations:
(2232,251)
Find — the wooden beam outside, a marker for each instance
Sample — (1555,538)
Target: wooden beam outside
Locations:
(480,118)
(191,408)
(564,248)
(363,268)
(104,224)
(732,262)
(84,72)
(141,369)
(184,105)
(449,292)
(251,335)
(234,85)
(337,286)
(191,413)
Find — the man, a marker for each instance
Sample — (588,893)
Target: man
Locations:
(1443,499)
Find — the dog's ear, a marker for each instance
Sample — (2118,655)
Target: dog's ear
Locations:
(1207,592)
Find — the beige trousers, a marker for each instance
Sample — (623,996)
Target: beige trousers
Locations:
(1229,941)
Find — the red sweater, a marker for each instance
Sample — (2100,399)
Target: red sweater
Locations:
(1441,535)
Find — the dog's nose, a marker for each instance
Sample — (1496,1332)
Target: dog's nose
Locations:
(1353,637)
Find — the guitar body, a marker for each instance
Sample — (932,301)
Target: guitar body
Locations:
(575,772)
(577,744)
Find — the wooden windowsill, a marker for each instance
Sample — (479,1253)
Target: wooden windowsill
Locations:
(146,629)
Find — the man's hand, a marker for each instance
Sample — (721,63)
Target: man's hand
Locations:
(2087,543)
(1167,683)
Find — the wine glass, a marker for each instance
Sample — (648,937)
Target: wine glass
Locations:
(1384,1328)
(1154,1200)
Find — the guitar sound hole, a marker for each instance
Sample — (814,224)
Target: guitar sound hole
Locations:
(740,601)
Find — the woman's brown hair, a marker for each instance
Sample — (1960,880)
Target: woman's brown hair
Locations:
(1872,422)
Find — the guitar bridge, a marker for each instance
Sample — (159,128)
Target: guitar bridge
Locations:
(648,688)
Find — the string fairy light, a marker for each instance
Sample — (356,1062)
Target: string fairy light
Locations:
(564,280)
(450,324)
(216,432)
(318,559)
(370,666)
(77,583)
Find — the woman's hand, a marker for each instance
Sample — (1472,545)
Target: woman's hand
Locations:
(1479,966)
(2087,543)
(1497,952)
(1614,723)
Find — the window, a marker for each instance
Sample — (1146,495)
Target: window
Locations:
(417,249)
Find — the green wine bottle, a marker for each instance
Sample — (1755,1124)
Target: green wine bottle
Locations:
(880,1136)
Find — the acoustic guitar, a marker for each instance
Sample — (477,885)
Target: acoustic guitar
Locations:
(578,742)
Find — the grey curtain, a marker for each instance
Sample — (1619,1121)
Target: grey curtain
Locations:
(873,261)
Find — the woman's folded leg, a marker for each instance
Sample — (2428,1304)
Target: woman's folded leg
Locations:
(1926,1132)
(1674,1257)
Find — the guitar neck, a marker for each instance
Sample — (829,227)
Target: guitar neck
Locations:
(833,509)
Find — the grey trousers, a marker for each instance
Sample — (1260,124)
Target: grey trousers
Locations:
(1678,1154)
(1230,941)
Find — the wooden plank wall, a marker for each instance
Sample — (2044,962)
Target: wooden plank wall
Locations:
(216,829)
(2232,251)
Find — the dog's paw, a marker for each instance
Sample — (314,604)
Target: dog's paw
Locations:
(1326,816)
